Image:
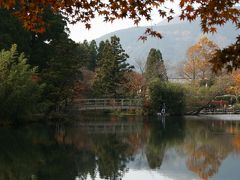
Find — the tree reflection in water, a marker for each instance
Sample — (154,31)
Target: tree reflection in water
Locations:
(162,136)
(105,149)
(207,144)
(204,161)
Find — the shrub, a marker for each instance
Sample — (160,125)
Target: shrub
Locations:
(236,107)
(198,97)
(19,88)
(238,99)
(170,94)
(231,99)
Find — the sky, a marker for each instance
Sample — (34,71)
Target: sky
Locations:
(78,32)
(100,28)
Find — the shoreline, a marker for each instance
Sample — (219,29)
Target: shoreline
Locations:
(221,117)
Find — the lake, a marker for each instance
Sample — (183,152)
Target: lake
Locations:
(123,148)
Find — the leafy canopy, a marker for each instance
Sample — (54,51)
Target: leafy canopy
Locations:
(211,12)
(19,88)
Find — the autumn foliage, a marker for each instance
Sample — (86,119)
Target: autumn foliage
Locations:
(136,84)
(235,86)
(211,12)
(197,66)
(227,58)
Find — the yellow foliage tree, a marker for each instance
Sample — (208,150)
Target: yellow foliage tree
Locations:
(197,66)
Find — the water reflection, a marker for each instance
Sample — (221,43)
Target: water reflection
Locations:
(208,144)
(115,149)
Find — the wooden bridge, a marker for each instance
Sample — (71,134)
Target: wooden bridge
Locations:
(107,104)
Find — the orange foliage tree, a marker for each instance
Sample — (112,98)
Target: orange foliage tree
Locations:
(233,81)
(211,12)
(136,84)
(83,87)
(236,82)
(198,66)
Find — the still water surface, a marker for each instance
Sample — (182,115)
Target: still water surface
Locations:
(128,149)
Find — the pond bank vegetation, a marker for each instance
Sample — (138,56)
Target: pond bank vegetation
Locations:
(43,74)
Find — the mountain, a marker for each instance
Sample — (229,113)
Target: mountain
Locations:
(178,36)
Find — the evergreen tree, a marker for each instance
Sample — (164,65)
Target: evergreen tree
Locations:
(12,32)
(155,68)
(100,51)
(61,72)
(92,55)
(111,68)
(56,56)
(88,54)
(42,49)
(37,46)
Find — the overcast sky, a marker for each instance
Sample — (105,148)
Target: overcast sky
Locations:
(99,28)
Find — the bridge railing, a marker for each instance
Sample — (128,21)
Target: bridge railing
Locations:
(108,103)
